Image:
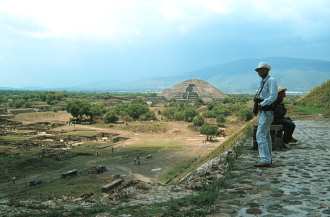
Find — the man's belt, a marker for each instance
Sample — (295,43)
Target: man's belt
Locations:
(257,107)
(267,107)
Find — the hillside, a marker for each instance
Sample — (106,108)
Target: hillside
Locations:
(232,77)
(296,74)
(239,76)
(200,88)
(319,97)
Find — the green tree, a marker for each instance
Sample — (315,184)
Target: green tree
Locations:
(180,112)
(110,117)
(78,109)
(73,108)
(220,119)
(198,121)
(147,116)
(96,110)
(245,114)
(136,109)
(189,114)
(209,131)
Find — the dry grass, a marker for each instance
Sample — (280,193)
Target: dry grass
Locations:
(144,127)
(37,117)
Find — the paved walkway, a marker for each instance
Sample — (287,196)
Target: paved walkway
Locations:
(298,185)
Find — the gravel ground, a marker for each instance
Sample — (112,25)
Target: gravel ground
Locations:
(297,185)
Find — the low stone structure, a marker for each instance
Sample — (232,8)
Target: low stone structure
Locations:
(35,182)
(112,185)
(70,173)
(211,170)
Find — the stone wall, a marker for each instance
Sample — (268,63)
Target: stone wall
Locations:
(215,166)
(214,169)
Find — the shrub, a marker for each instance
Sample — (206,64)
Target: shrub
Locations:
(198,121)
(189,114)
(209,131)
(110,117)
(180,112)
(245,114)
(220,120)
(147,116)
(135,110)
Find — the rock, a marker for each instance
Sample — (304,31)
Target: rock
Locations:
(323,205)
(70,173)
(49,203)
(176,189)
(35,182)
(254,211)
(128,191)
(149,156)
(100,169)
(156,170)
(105,139)
(103,215)
(219,176)
(86,195)
(112,185)
(78,199)
(196,186)
(143,186)
(117,176)
(4,201)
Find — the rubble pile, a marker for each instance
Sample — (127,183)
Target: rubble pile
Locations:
(212,170)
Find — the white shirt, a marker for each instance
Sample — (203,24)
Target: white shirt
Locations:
(269,91)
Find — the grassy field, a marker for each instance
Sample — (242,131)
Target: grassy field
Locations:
(173,147)
(168,148)
(28,166)
(83,133)
(35,117)
(14,138)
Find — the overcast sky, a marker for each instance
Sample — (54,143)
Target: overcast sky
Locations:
(59,43)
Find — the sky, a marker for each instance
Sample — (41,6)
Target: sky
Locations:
(63,43)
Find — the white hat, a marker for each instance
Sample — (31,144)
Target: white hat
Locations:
(262,65)
(280,89)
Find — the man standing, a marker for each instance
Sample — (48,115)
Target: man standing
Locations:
(280,118)
(264,100)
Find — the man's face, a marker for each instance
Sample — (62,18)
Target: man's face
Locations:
(282,94)
(263,72)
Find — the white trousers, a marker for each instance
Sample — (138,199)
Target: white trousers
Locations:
(264,139)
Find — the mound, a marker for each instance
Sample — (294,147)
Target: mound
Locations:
(191,90)
(319,97)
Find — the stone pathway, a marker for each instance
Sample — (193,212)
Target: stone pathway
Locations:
(297,185)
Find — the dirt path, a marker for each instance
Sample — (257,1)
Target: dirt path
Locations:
(176,131)
(297,185)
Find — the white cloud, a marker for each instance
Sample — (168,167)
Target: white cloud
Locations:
(75,18)
(117,19)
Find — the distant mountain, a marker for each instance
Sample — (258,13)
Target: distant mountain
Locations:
(298,75)
(239,76)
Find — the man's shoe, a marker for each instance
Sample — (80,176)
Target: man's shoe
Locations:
(263,165)
(293,140)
